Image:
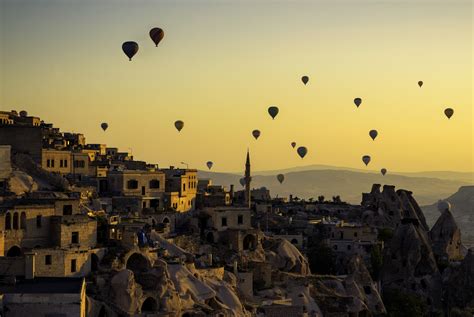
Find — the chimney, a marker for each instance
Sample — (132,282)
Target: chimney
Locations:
(30,259)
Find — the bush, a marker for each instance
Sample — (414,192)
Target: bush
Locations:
(385,234)
(400,304)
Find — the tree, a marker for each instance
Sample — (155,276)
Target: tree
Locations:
(376,262)
(321,258)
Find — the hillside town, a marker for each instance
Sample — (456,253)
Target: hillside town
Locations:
(88,230)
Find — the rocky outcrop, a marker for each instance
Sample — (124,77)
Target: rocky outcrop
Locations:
(410,265)
(388,208)
(126,293)
(284,256)
(459,283)
(446,236)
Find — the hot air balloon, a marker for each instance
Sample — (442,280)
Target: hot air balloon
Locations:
(420,83)
(305,79)
(281,178)
(209,164)
(293,144)
(273,111)
(383,171)
(302,151)
(373,134)
(242,181)
(366,159)
(449,112)
(104,126)
(156,35)
(256,134)
(357,102)
(130,49)
(179,125)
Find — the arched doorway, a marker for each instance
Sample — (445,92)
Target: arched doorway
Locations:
(94,262)
(138,263)
(166,220)
(249,242)
(102,312)
(14,251)
(149,305)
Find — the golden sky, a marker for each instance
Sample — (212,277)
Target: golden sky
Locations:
(221,64)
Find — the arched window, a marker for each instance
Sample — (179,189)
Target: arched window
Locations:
(15,220)
(23,221)
(8,221)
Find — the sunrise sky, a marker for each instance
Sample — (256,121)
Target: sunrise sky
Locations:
(221,64)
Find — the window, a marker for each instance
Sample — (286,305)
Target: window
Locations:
(52,163)
(224,221)
(355,234)
(38,221)
(73,265)
(75,237)
(15,220)
(154,183)
(184,187)
(8,221)
(335,247)
(240,219)
(48,259)
(132,184)
(349,247)
(60,163)
(23,221)
(67,210)
(65,163)
(48,163)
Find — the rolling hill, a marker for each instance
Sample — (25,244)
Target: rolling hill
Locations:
(349,184)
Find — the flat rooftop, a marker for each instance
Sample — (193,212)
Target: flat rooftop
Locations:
(44,285)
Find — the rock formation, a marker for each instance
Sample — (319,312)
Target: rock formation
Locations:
(389,207)
(446,237)
(410,265)
(459,283)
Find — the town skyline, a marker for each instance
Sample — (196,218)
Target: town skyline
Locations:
(77,76)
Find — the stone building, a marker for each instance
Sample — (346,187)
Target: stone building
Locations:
(136,190)
(48,297)
(181,188)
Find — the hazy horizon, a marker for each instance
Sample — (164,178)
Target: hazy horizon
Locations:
(222,64)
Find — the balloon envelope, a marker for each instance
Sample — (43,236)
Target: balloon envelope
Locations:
(130,48)
(305,79)
(104,126)
(357,102)
(420,83)
(293,144)
(179,125)
(273,111)
(209,164)
(373,134)
(449,112)
(156,35)
(302,151)
(366,159)
(256,134)
(281,178)
(383,171)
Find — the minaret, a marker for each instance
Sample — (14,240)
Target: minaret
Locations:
(247,180)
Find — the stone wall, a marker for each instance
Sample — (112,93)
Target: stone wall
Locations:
(24,139)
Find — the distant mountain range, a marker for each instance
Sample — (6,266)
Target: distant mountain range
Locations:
(462,207)
(315,180)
